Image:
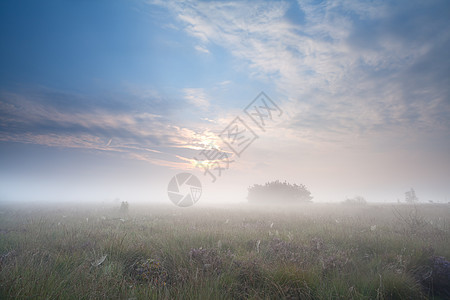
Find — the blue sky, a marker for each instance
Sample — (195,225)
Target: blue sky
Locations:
(105,99)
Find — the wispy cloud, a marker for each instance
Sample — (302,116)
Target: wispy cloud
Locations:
(33,118)
(197,96)
(201,49)
(346,67)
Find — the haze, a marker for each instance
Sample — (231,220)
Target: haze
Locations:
(111,99)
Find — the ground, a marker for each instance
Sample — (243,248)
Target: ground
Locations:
(310,251)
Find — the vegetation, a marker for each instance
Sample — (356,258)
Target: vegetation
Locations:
(410,196)
(357,200)
(124,207)
(278,192)
(317,251)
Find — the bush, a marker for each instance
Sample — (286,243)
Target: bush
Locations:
(278,192)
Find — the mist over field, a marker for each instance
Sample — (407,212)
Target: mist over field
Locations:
(224,149)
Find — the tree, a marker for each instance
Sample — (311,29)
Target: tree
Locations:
(278,192)
(410,196)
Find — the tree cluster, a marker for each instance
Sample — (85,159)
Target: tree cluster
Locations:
(278,192)
(357,200)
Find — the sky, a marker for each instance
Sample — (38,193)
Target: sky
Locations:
(104,100)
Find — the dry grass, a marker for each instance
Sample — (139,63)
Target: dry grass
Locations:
(310,251)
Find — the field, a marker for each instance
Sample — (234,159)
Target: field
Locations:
(310,251)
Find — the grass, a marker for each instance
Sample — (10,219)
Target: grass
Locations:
(312,251)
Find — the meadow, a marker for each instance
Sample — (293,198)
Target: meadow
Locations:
(309,251)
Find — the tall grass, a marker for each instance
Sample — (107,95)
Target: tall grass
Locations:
(308,251)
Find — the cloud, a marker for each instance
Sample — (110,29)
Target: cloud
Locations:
(201,49)
(345,67)
(33,117)
(225,83)
(196,96)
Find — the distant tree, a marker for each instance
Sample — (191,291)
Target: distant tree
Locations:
(278,192)
(357,200)
(410,196)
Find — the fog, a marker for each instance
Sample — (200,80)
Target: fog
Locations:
(224,149)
